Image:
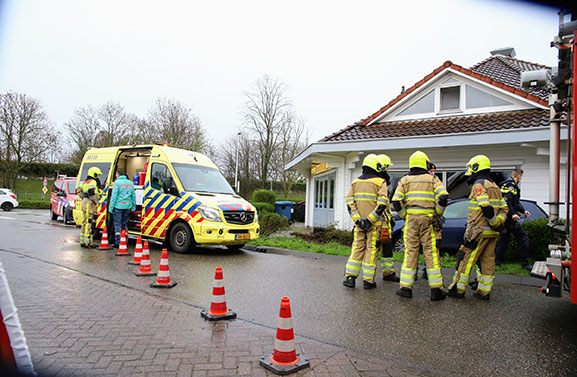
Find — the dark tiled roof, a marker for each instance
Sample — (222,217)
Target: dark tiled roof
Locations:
(508,70)
(449,125)
(495,68)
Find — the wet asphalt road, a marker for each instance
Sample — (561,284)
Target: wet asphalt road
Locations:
(518,332)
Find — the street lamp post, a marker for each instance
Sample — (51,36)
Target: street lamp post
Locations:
(236,169)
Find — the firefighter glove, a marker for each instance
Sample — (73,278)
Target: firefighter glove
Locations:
(365,224)
(437,222)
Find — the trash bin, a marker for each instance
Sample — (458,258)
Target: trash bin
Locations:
(284,209)
(299,212)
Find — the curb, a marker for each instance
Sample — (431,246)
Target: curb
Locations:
(499,278)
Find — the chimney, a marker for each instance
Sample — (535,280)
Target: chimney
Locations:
(505,51)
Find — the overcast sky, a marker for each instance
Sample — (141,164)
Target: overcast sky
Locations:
(341,60)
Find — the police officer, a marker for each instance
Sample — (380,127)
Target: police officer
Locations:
(487,213)
(512,195)
(418,197)
(89,191)
(367,202)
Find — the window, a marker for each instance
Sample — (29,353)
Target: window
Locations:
(424,105)
(450,98)
(201,179)
(477,98)
(158,174)
(104,168)
(457,210)
(71,186)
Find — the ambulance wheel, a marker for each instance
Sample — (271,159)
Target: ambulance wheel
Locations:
(181,238)
(53,215)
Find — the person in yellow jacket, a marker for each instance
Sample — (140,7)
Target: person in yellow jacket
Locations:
(367,202)
(387,261)
(420,196)
(90,192)
(486,219)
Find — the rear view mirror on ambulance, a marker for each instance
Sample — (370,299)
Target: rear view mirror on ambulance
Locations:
(181,197)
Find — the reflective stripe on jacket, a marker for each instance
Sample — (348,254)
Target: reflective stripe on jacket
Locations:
(486,193)
(89,190)
(365,196)
(419,194)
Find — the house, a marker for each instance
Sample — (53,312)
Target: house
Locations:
(452,114)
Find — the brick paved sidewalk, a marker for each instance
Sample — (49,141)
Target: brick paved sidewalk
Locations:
(78,325)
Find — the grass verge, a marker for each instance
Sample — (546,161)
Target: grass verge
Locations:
(333,248)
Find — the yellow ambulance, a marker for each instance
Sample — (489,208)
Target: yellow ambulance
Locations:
(181,197)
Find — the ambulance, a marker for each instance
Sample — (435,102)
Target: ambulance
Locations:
(182,198)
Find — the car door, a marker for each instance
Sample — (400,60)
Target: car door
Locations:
(454,224)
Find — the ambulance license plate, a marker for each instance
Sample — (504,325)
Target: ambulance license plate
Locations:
(242,237)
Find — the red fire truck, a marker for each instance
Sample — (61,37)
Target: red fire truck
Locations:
(558,269)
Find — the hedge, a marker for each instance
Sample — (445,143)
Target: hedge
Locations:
(262,207)
(34,204)
(540,237)
(271,222)
(265,196)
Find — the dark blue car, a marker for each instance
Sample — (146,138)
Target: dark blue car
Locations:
(455,222)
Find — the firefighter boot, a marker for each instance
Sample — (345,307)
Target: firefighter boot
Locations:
(525,265)
(454,293)
(437,294)
(350,281)
(405,292)
(391,277)
(482,297)
(369,285)
(474,284)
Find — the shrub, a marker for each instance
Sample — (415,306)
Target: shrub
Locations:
(262,207)
(323,235)
(265,196)
(34,204)
(540,237)
(271,222)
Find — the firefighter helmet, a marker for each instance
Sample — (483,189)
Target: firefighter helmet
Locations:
(372,161)
(478,163)
(419,160)
(94,172)
(384,162)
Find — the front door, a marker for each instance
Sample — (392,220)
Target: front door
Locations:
(324,213)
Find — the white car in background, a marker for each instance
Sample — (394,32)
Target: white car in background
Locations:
(8,199)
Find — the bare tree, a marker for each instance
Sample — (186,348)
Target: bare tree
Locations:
(82,129)
(242,147)
(292,141)
(26,134)
(268,113)
(169,121)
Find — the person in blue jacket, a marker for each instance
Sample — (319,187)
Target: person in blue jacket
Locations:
(122,202)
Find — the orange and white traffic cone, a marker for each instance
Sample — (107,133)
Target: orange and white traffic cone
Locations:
(104,241)
(122,250)
(145,269)
(163,279)
(218,309)
(137,252)
(284,359)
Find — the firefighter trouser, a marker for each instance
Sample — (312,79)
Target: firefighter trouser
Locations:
(484,252)
(364,254)
(418,232)
(89,211)
(387,261)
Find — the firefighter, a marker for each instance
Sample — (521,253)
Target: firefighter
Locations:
(89,191)
(387,261)
(367,203)
(487,214)
(512,195)
(420,196)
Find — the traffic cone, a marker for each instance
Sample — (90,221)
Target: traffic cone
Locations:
(218,309)
(104,241)
(284,359)
(122,250)
(163,280)
(145,269)
(137,251)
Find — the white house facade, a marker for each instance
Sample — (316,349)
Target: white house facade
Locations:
(452,114)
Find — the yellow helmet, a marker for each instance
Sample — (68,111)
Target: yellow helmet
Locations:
(478,163)
(372,161)
(384,161)
(419,160)
(94,172)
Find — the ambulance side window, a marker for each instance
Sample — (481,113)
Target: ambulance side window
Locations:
(158,174)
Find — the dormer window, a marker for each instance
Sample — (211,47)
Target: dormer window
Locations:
(450,98)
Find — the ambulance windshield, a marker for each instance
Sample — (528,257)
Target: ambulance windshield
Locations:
(202,179)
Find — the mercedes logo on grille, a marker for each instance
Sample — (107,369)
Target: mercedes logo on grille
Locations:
(242,217)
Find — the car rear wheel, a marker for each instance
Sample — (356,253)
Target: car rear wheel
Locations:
(7,206)
(181,239)
(53,215)
(399,243)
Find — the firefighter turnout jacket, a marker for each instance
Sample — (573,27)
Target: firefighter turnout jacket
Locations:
(367,199)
